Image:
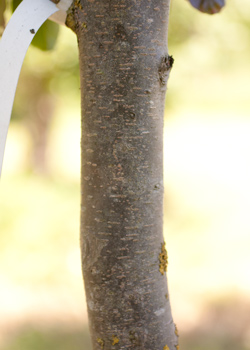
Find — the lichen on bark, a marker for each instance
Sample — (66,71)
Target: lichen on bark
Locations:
(163,259)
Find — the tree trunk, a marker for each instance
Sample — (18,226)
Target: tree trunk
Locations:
(124,67)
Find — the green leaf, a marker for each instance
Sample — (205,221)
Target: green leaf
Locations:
(46,36)
(2,9)
(15,3)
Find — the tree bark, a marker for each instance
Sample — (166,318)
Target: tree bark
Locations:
(124,68)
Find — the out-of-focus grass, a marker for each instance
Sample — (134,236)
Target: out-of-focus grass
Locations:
(33,338)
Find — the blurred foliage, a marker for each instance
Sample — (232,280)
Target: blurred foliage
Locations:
(209,51)
(44,81)
(48,230)
(46,37)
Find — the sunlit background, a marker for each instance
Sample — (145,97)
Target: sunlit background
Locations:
(207,190)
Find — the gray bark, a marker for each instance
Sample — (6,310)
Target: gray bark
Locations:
(124,67)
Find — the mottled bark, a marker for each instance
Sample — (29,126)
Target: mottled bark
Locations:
(124,67)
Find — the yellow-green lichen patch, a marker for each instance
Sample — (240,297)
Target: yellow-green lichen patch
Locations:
(78,4)
(115,340)
(163,258)
(166,347)
(100,342)
(176,331)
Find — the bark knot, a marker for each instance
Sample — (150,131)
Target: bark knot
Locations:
(164,69)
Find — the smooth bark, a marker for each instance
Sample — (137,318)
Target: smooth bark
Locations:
(124,67)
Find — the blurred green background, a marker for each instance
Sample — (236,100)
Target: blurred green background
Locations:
(207,190)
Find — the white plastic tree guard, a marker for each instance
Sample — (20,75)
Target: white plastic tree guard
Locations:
(24,23)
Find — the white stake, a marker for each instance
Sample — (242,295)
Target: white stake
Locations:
(25,22)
